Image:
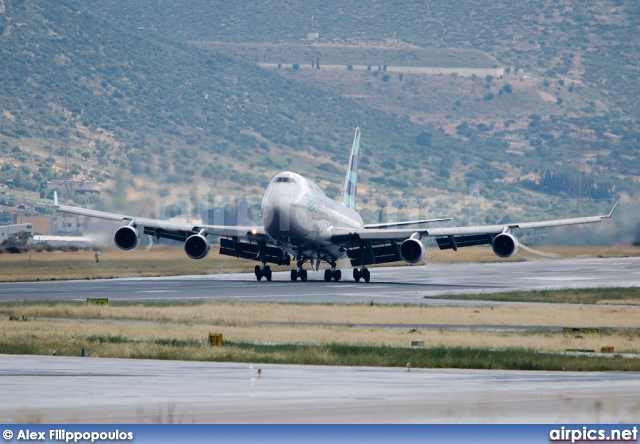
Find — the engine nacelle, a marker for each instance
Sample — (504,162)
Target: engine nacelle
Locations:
(412,251)
(126,238)
(505,245)
(196,247)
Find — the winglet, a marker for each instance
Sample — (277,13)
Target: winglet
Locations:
(612,210)
(55,198)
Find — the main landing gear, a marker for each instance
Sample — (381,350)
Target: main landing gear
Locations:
(361,274)
(264,271)
(299,273)
(332,273)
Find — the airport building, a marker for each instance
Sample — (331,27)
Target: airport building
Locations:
(8,230)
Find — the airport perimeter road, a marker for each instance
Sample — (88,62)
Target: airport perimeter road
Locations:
(404,285)
(54,389)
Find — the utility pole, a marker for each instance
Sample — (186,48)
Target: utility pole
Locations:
(66,167)
(578,187)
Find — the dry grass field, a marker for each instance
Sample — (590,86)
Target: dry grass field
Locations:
(68,328)
(171,261)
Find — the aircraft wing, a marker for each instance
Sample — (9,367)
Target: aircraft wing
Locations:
(405,223)
(169,229)
(350,235)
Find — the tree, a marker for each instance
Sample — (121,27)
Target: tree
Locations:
(424,139)
(507,88)
(18,239)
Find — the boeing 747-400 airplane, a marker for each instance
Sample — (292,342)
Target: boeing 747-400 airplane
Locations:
(299,220)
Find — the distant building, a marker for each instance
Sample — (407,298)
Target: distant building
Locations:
(62,241)
(68,224)
(313,36)
(8,230)
(41,224)
(81,186)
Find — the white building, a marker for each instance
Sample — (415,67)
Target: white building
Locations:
(8,230)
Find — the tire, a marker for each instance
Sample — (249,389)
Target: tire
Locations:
(327,275)
(294,275)
(258,272)
(356,275)
(303,275)
(337,275)
(267,273)
(367,275)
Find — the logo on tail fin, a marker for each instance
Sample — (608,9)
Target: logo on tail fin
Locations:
(351,179)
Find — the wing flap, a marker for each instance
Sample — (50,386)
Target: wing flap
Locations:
(379,254)
(454,242)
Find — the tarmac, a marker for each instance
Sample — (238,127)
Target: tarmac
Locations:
(53,389)
(389,285)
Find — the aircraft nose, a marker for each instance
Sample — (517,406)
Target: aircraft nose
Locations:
(275,211)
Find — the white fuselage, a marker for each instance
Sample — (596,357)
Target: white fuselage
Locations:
(299,217)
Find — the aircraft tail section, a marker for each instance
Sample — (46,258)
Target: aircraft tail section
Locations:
(351,179)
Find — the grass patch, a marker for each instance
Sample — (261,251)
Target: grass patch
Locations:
(624,296)
(334,355)
(322,334)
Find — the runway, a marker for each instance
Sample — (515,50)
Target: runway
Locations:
(54,389)
(99,390)
(389,285)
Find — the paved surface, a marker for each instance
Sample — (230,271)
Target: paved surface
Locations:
(404,285)
(93,390)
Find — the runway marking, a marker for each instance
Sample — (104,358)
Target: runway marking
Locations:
(562,278)
(156,291)
(351,286)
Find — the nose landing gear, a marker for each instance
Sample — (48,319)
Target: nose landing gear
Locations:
(300,272)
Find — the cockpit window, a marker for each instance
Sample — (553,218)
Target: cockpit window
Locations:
(286,179)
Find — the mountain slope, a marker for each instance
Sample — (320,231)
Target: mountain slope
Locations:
(172,115)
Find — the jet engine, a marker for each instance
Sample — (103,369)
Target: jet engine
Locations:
(412,251)
(196,246)
(126,238)
(504,245)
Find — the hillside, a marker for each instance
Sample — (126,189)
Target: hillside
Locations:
(132,98)
(593,39)
(170,115)
(569,61)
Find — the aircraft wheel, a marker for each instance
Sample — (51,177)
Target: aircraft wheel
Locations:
(267,273)
(356,275)
(366,275)
(327,275)
(337,275)
(258,272)
(303,275)
(294,275)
